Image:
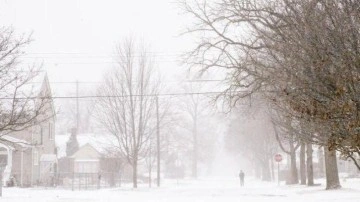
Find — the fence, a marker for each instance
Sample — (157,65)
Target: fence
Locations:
(86,181)
(73,181)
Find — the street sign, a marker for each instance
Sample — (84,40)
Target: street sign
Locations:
(278,157)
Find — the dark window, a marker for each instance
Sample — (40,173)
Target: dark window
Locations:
(50,131)
(41,135)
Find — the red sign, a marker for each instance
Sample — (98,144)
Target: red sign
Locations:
(278,157)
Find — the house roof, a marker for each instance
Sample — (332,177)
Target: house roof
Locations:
(7,139)
(37,84)
(103,143)
(35,87)
(44,87)
(6,146)
(86,152)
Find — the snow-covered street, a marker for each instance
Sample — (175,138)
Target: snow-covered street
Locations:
(209,190)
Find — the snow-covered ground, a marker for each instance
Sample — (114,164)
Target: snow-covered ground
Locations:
(207,190)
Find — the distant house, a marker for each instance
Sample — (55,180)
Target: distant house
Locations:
(29,156)
(86,160)
(95,160)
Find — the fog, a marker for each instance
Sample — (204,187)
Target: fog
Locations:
(179,100)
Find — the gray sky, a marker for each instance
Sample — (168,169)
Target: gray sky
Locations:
(75,39)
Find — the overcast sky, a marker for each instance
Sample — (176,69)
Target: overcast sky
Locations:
(75,39)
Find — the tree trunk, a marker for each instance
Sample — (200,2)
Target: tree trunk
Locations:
(112,180)
(257,167)
(265,170)
(331,170)
(302,164)
(195,154)
(194,165)
(321,163)
(309,164)
(293,174)
(150,177)
(135,173)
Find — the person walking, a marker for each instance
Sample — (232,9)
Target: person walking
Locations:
(241,176)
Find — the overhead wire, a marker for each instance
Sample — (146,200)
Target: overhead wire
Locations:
(118,96)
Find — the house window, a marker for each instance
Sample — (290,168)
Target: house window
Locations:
(3,158)
(41,134)
(36,158)
(38,135)
(51,135)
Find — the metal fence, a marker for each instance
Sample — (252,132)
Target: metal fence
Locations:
(86,181)
(72,181)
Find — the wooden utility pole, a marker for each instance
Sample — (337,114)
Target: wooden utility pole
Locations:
(150,165)
(158,140)
(77,107)
(1,181)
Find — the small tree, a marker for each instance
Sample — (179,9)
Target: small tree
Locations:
(126,107)
(193,106)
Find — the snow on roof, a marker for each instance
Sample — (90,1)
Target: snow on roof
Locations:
(38,82)
(103,143)
(86,152)
(34,86)
(6,146)
(9,139)
(31,89)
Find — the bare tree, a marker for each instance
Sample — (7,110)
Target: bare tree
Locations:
(194,107)
(126,107)
(295,52)
(21,103)
(289,143)
(250,134)
(67,117)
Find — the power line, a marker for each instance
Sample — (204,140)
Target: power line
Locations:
(98,56)
(119,96)
(90,53)
(100,82)
(95,63)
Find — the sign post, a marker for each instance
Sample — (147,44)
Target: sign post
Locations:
(177,164)
(278,159)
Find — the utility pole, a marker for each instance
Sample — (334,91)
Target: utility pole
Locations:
(150,164)
(1,181)
(77,107)
(158,140)
(195,139)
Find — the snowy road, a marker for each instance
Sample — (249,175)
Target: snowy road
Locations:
(207,190)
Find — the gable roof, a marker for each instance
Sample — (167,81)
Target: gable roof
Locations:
(86,152)
(12,141)
(38,86)
(43,89)
(103,143)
